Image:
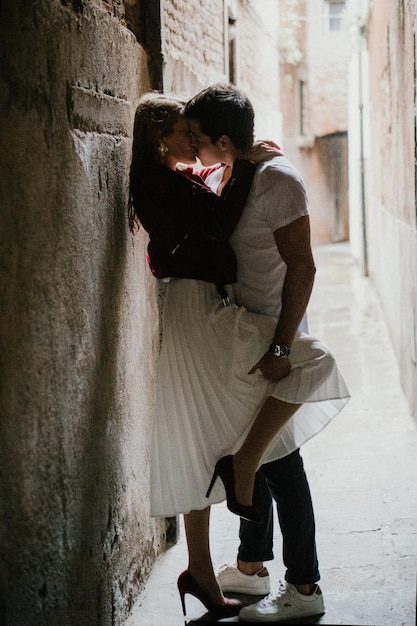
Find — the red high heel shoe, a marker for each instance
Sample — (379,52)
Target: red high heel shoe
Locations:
(224,469)
(187,584)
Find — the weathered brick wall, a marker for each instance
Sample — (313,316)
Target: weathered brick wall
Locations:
(195,54)
(257,53)
(78,330)
(328,53)
(193,44)
(391,176)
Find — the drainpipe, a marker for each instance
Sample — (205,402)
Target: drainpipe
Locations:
(362,169)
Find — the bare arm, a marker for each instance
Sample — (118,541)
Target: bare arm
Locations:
(293,243)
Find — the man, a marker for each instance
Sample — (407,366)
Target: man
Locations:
(275,277)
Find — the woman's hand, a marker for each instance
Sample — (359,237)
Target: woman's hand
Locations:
(264,150)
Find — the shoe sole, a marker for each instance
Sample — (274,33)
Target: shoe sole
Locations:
(272,619)
(245,592)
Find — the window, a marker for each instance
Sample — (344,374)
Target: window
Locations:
(336,8)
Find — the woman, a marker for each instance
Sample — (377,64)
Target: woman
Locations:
(207,403)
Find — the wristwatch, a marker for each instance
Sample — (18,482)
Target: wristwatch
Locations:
(279,350)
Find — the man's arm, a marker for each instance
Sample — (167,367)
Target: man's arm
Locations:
(293,243)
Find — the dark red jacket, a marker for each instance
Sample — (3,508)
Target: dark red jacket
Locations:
(189,226)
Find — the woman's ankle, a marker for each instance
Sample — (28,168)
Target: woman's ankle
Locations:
(243,460)
(244,481)
(208,583)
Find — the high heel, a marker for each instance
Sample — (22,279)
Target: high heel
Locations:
(224,469)
(187,584)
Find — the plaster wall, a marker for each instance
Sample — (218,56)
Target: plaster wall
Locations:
(324,168)
(79,321)
(391,177)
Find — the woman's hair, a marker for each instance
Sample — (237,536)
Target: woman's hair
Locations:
(223,109)
(155,117)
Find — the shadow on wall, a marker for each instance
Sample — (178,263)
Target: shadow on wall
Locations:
(332,153)
(71,539)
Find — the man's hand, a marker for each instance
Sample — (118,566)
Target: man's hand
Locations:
(272,367)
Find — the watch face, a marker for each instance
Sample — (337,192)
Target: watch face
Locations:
(281,351)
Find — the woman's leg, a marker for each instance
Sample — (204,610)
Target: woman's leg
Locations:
(272,417)
(200,564)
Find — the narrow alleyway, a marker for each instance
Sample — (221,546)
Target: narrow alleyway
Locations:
(362,471)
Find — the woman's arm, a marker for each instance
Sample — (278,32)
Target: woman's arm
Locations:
(263,150)
(216,216)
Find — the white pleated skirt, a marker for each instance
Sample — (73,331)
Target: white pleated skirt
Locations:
(206,401)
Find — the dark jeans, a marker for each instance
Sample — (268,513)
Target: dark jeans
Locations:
(285,480)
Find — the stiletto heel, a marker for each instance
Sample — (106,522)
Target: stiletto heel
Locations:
(182,596)
(213,480)
(187,584)
(224,469)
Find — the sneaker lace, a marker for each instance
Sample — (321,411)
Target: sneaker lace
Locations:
(274,596)
(227,567)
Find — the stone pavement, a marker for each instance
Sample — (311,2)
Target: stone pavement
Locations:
(362,471)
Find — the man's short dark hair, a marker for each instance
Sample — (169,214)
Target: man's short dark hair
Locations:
(223,110)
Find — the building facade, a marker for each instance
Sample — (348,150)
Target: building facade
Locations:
(314,59)
(389,66)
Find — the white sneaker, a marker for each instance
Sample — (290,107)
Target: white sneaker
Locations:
(230,578)
(285,603)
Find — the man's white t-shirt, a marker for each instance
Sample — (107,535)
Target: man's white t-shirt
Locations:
(277,198)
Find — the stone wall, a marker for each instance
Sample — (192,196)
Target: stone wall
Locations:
(391,176)
(78,329)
